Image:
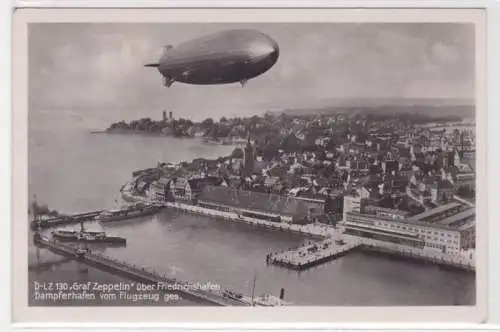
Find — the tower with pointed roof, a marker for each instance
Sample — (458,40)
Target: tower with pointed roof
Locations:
(248,156)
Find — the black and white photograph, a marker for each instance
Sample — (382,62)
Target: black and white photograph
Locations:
(251,164)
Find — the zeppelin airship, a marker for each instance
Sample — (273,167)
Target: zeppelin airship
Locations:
(224,57)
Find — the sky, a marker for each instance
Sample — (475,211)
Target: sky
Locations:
(96,69)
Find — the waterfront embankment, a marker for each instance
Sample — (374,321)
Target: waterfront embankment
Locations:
(459,261)
(332,234)
(317,253)
(323,254)
(313,230)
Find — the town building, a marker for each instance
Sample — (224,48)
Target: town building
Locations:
(442,191)
(180,189)
(262,205)
(159,189)
(353,203)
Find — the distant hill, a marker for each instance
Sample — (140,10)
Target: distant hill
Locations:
(428,107)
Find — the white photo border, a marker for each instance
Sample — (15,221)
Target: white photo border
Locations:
(433,313)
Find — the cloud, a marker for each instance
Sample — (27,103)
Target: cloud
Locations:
(445,54)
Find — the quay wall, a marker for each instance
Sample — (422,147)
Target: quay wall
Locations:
(314,231)
(406,252)
(310,230)
(324,232)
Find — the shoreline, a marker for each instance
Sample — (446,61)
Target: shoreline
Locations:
(327,233)
(138,133)
(203,140)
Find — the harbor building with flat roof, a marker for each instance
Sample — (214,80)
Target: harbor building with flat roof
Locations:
(448,228)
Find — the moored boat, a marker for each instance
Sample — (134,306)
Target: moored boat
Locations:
(269,300)
(130,212)
(84,235)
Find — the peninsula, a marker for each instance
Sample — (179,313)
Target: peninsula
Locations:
(208,129)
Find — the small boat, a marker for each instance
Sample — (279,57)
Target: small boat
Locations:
(269,300)
(232,295)
(265,300)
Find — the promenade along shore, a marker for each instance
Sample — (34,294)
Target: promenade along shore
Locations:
(327,242)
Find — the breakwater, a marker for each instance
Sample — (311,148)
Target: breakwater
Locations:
(215,295)
(130,212)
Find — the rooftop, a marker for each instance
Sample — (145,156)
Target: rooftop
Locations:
(271,203)
(438,210)
(457,221)
(457,218)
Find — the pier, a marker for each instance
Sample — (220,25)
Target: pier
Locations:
(312,254)
(129,212)
(216,296)
(64,220)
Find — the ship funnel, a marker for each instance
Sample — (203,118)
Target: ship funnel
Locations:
(282,294)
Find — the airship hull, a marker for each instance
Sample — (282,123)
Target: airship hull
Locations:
(222,58)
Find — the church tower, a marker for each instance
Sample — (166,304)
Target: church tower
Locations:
(249,156)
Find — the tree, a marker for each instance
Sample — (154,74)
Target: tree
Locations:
(290,144)
(270,149)
(214,131)
(331,144)
(156,127)
(237,153)
(466,192)
(207,123)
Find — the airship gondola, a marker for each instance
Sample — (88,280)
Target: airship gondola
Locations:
(221,58)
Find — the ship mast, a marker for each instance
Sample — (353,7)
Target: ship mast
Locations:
(34,208)
(253,287)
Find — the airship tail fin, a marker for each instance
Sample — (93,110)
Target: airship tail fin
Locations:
(155,65)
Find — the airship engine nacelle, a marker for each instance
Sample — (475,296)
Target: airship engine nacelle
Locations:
(168,81)
(167,48)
